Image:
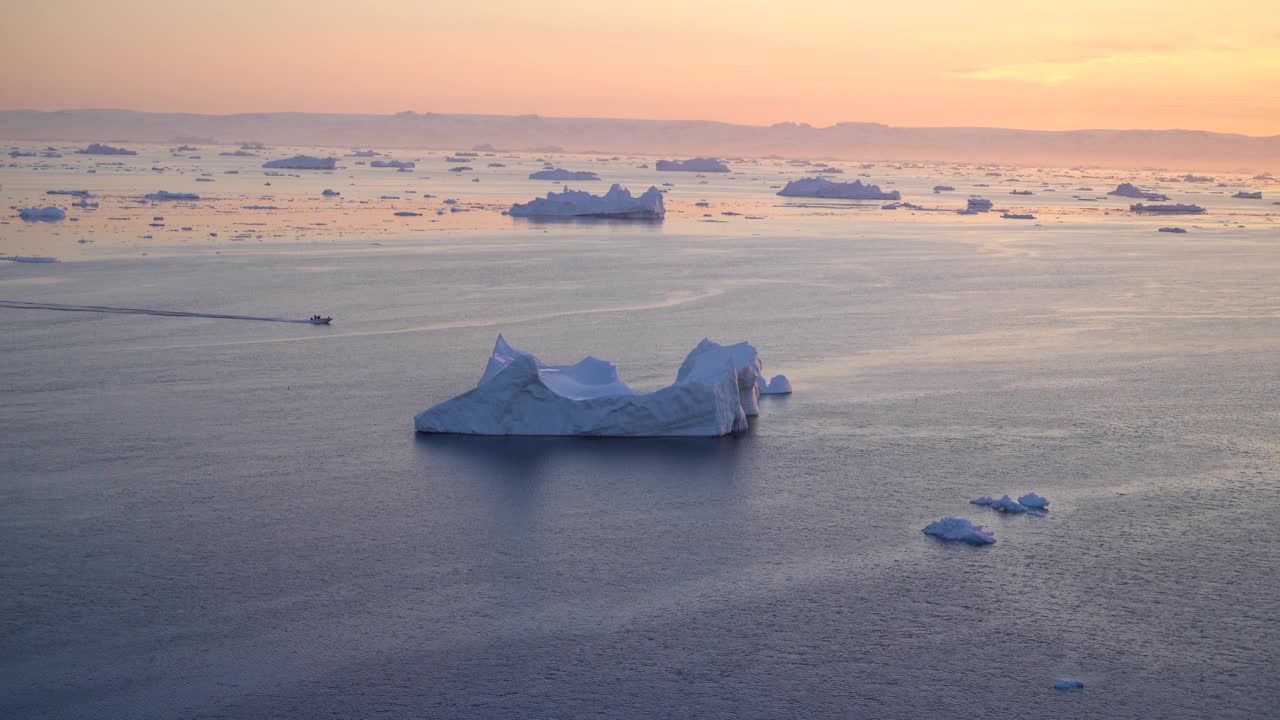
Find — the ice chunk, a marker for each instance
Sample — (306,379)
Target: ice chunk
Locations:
(99,149)
(400,164)
(985,501)
(520,395)
(978,205)
(1068,684)
(45,213)
(779,385)
(330,192)
(1130,190)
(1175,209)
(698,164)
(166,195)
(1245,195)
(817,187)
(302,162)
(563,175)
(83,193)
(617,203)
(1176,230)
(959,530)
(1034,501)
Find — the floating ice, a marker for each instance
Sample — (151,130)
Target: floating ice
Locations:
(714,392)
(330,192)
(823,188)
(1018,216)
(959,530)
(1034,501)
(1245,195)
(99,149)
(67,192)
(779,385)
(1175,209)
(1008,505)
(166,195)
(1130,190)
(943,188)
(400,164)
(563,175)
(45,213)
(978,205)
(617,203)
(1177,230)
(28,259)
(302,162)
(1068,684)
(698,164)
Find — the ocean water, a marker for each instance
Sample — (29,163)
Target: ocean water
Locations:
(234,519)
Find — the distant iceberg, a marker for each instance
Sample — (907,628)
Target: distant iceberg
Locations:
(1176,230)
(1034,501)
(714,393)
(942,188)
(401,164)
(302,162)
(28,259)
(1130,190)
(67,192)
(699,164)
(1010,506)
(166,195)
(959,530)
(99,149)
(562,175)
(1068,684)
(1175,209)
(1245,195)
(330,192)
(977,205)
(823,188)
(45,213)
(617,203)
(238,153)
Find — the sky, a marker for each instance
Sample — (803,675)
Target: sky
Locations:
(991,63)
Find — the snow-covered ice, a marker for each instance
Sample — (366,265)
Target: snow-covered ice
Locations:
(698,164)
(959,530)
(714,392)
(563,175)
(817,187)
(302,162)
(45,213)
(617,203)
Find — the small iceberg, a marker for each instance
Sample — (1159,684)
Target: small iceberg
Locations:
(46,213)
(617,203)
(83,193)
(330,192)
(302,162)
(1130,190)
(943,188)
(1010,506)
(954,529)
(1068,684)
(1034,501)
(563,175)
(1018,216)
(1175,209)
(166,195)
(1245,195)
(399,164)
(698,164)
(817,187)
(977,205)
(100,149)
(779,385)
(518,394)
(1177,230)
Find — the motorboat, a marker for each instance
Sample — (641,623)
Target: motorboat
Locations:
(318,320)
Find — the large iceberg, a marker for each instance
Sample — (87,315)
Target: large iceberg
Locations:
(562,175)
(823,188)
(302,162)
(959,530)
(100,149)
(617,203)
(698,164)
(714,393)
(1130,190)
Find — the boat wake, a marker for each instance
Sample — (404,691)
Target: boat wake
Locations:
(21,305)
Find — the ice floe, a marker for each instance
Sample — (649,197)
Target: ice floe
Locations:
(955,529)
(301,162)
(518,394)
(698,164)
(1130,190)
(100,149)
(616,203)
(44,213)
(166,195)
(562,175)
(817,187)
(1175,209)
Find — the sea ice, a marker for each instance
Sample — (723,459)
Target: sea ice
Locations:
(959,530)
(617,203)
(1175,209)
(1034,501)
(978,205)
(330,192)
(698,164)
(166,195)
(520,395)
(99,149)
(779,385)
(1130,190)
(563,175)
(823,188)
(1068,684)
(302,162)
(45,213)
(400,164)
(1244,195)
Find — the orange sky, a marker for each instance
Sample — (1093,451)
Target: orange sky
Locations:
(1061,65)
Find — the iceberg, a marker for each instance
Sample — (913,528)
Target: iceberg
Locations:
(779,385)
(45,213)
(400,164)
(563,175)
(1244,195)
(1034,501)
(67,192)
(330,192)
(959,530)
(1008,505)
(100,149)
(977,205)
(28,259)
(617,203)
(166,195)
(942,188)
(302,162)
(1175,209)
(823,188)
(1130,190)
(699,164)
(1018,216)
(1177,230)
(1068,684)
(518,394)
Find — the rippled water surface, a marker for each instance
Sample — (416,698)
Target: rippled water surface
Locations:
(224,518)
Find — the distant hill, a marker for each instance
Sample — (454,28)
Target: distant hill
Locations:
(1188,149)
